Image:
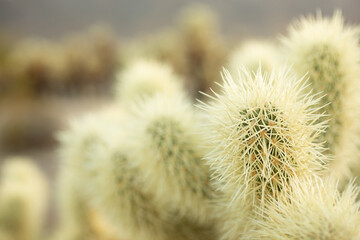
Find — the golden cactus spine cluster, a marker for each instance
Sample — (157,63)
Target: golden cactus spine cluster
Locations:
(261,130)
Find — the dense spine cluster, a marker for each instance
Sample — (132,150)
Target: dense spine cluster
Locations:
(262,132)
(312,208)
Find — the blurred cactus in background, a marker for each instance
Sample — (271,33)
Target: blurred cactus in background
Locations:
(86,62)
(33,68)
(205,53)
(78,152)
(91,59)
(165,144)
(22,213)
(118,193)
(145,78)
(96,152)
(167,47)
(253,53)
(194,48)
(33,72)
(329,52)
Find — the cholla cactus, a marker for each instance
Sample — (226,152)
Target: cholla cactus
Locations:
(329,52)
(261,130)
(90,59)
(233,217)
(203,46)
(23,200)
(79,152)
(118,193)
(144,78)
(118,190)
(165,46)
(34,67)
(167,151)
(74,213)
(312,208)
(252,53)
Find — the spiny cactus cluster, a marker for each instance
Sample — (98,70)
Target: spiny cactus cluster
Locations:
(261,130)
(329,52)
(266,155)
(254,161)
(119,165)
(313,208)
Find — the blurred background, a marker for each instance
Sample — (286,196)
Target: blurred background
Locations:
(59,59)
(127,18)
